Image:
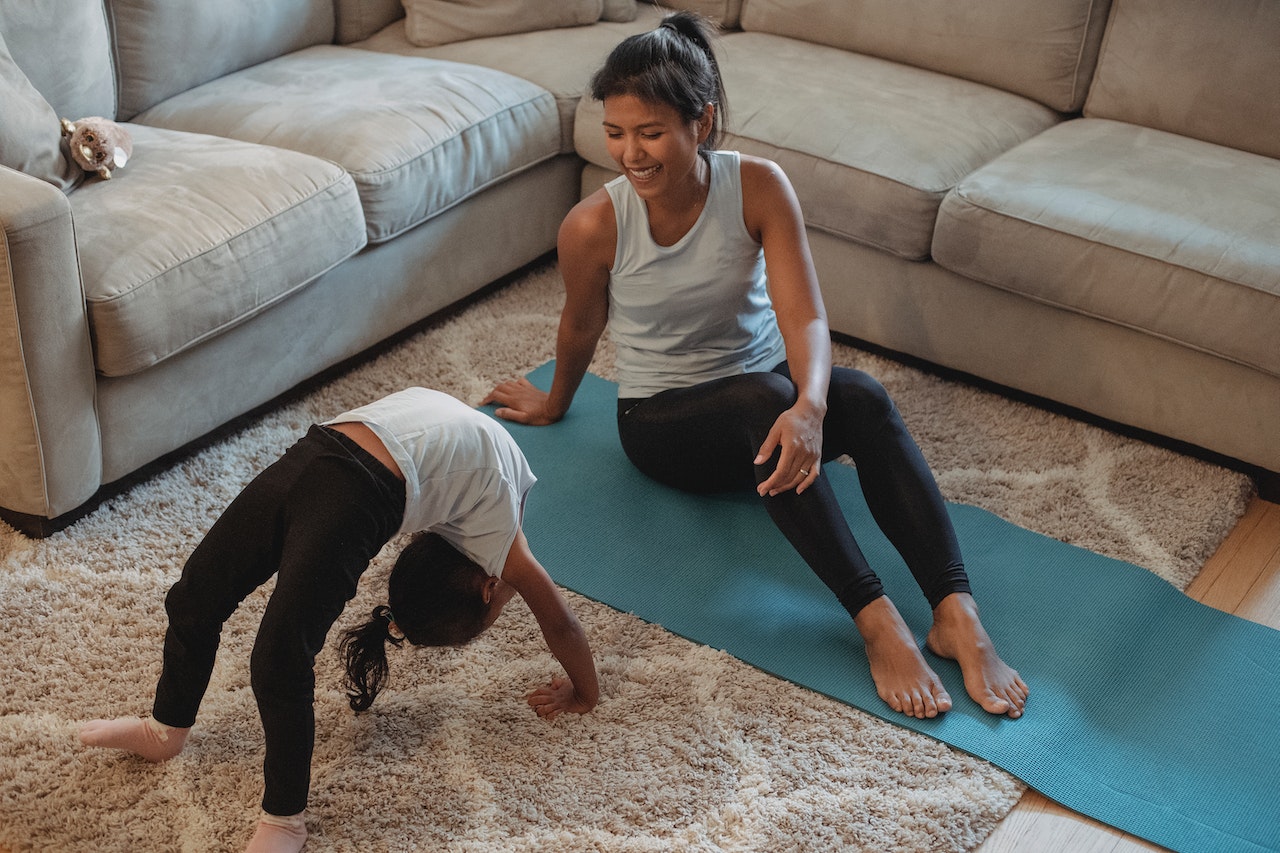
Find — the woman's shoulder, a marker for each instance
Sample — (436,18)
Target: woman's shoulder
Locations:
(590,224)
(760,171)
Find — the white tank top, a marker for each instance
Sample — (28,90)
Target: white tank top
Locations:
(465,478)
(694,311)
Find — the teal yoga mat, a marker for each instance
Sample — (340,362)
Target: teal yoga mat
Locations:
(1149,711)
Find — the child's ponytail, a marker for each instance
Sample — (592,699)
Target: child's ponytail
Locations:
(364,652)
(437,593)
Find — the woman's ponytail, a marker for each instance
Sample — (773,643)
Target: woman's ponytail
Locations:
(364,652)
(674,64)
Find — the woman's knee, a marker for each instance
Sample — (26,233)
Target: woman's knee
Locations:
(859,394)
(772,391)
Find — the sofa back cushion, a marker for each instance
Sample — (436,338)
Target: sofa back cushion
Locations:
(164,47)
(1044,50)
(726,13)
(1210,71)
(430,23)
(359,19)
(66,54)
(30,136)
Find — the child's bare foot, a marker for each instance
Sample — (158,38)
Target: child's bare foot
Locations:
(278,835)
(147,738)
(958,634)
(902,677)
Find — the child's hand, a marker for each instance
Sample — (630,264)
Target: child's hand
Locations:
(550,700)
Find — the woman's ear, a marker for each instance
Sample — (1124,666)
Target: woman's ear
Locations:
(705,123)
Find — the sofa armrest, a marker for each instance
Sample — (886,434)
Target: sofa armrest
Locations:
(50,450)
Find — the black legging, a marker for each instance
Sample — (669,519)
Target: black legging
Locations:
(704,439)
(314,518)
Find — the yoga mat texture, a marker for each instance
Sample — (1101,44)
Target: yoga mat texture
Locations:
(1148,711)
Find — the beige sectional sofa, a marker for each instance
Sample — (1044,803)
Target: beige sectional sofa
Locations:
(1079,199)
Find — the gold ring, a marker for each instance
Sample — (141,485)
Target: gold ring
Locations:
(804,472)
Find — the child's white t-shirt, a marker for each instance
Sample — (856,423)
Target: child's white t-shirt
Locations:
(465,477)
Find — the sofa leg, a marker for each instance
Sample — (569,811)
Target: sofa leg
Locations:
(37,526)
(1269,486)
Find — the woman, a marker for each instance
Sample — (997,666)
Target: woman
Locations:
(697,260)
(417,460)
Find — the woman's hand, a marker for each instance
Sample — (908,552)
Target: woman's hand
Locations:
(798,432)
(521,401)
(551,700)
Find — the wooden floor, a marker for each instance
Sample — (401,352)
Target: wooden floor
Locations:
(1243,578)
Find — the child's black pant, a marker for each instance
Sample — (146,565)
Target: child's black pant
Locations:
(704,439)
(315,518)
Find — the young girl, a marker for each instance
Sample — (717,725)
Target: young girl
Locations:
(698,261)
(415,461)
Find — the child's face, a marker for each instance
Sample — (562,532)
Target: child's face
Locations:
(497,594)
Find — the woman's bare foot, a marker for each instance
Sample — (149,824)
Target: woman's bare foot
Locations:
(958,634)
(902,677)
(147,738)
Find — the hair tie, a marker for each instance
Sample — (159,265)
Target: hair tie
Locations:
(383,613)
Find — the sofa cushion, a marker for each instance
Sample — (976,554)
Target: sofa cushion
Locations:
(30,136)
(872,147)
(417,135)
(560,61)
(726,13)
(619,11)
(198,234)
(433,22)
(359,19)
(164,47)
(66,55)
(1210,71)
(1044,50)
(1153,231)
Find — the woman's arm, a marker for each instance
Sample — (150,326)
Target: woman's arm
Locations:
(560,629)
(772,215)
(586,245)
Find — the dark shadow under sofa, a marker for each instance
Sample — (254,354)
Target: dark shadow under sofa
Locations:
(1077,199)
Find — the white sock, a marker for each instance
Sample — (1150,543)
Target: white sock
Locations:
(277,834)
(146,737)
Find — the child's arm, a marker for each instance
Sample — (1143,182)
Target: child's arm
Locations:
(561,630)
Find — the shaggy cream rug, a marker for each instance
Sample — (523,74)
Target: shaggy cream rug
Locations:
(689,748)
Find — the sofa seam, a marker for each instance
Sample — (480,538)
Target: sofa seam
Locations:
(1075,74)
(1102,52)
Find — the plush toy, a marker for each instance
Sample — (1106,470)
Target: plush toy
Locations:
(98,144)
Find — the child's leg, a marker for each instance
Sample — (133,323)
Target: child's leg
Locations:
(341,512)
(236,556)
